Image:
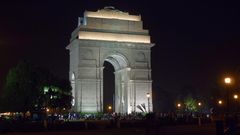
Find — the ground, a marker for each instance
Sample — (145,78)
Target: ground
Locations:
(208,129)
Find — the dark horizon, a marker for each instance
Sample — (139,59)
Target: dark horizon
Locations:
(196,43)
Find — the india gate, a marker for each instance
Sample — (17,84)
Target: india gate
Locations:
(114,36)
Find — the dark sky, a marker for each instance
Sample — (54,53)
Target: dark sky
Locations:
(197,42)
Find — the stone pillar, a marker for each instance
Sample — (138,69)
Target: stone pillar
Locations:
(101,88)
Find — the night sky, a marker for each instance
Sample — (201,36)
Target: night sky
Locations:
(197,42)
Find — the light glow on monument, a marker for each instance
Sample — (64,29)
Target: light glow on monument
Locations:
(114,37)
(112,15)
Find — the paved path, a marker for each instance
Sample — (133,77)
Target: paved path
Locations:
(173,130)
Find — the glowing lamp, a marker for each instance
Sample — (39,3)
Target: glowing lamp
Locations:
(228,80)
(220,102)
(109,107)
(235,96)
(148,95)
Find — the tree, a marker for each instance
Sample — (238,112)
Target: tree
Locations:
(190,104)
(56,96)
(24,89)
(20,89)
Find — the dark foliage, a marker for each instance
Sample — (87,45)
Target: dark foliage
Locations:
(24,89)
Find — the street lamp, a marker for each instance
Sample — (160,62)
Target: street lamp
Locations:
(200,113)
(47,109)
(148,97)
(235,96)
(227,81)
(178,105)
(109,108)
(220,102)
(200,106)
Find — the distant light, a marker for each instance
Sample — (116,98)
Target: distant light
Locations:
(5,113)
(45,90)
(148,95)
(227,80)
(220,102)
(109,107)
(178,105)
(73,77)
(28,113)
(235,96)
(47,109)
(73,102)
(199,104)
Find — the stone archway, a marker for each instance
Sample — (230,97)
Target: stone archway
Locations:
(120,64)
(108,87)
(118,38)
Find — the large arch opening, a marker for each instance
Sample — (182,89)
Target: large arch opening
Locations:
(115,79)
(108,88)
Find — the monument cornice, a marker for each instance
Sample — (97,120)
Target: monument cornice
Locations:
(110,44)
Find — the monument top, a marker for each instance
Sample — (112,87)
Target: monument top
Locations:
(110,24)
(110,12)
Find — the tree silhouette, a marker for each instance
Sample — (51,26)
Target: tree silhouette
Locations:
(24,90)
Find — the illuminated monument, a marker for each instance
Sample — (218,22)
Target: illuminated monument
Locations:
(118,38)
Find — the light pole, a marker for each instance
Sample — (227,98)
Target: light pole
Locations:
(227,81)
(148,97)
(220,104)
(200,115)
(200,107)
(179,107)
(235,96)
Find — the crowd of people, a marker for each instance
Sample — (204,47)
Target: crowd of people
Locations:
(169,118)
